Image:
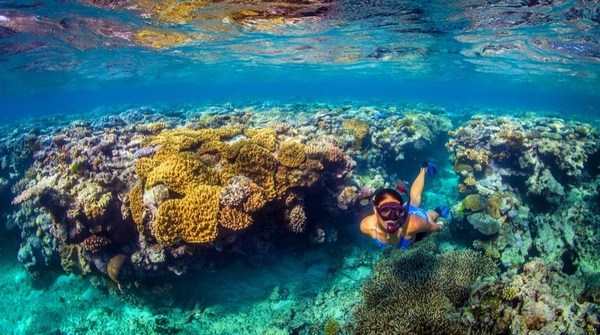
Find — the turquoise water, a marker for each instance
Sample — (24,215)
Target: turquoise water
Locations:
(120,115)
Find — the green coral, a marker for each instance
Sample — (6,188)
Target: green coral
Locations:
(474,202)
(332,327)
(510,292)
(74,167)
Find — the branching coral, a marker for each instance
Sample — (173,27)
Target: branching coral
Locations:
(94,244)
(297,219)
(425,287)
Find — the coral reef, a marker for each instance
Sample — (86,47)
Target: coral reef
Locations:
(164,191)
(129,199)
(539,299)
(251,169)
(526,172)
(408,135)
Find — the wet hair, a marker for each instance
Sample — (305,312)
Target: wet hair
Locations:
(382,193)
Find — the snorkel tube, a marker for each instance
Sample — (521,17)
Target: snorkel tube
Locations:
(394,227)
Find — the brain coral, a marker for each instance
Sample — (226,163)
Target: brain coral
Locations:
(192,219)
(181,171)
(291,154)
(474,202)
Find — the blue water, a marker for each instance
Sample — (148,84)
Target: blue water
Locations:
(528,54)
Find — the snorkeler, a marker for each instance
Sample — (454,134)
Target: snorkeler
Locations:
(395,222)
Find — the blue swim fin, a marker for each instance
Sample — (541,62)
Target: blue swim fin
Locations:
(431,168)
(443,211)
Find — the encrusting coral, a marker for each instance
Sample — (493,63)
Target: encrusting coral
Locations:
(192,219)
(291,154)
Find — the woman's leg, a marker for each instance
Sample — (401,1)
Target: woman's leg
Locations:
(433,216)
(417,188)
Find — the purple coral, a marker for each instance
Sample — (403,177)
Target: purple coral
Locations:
(236,192)
(144,152)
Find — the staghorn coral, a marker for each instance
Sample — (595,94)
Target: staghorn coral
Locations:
(426,287)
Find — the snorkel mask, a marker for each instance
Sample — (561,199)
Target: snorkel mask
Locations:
(395,211)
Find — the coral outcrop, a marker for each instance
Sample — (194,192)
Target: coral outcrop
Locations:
(540,299)
(518,173)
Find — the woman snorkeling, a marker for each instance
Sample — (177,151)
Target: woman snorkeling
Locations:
(396,222)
